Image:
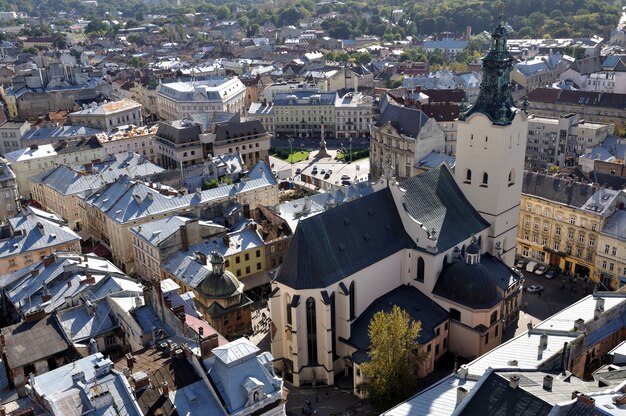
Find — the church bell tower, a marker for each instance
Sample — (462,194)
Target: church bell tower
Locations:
(491,144)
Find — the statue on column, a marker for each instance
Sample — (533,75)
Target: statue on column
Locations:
(322,152)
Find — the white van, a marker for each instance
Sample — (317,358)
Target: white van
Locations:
(531,266)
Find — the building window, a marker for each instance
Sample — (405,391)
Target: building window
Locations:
(247,256)
(493,318)
(557,230)
(352,301)
(592,241)
(512,177)
(581,238)
(485,179)
(611,266)
(468,176)
(572,220)
(258,266)
(607,248)
(420,270)
(288,309)
(311,328)
(614,251)
(529,207)
(237,259)
(258,253)
(487,338)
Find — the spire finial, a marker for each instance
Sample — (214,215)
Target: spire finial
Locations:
(501,13)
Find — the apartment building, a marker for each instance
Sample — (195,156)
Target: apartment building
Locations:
(178,100)
(611,256)
(9,200)
(108,115)
(561,141)
(306,113)
(560,221)
(111,210)
(131,139)
(36,159)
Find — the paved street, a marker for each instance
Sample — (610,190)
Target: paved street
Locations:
(357,171)
(552,299)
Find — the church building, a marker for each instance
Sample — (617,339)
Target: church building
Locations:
(440,245)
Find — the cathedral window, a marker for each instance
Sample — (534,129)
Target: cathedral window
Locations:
(420,270)
(512,177)
(333,325)
(311,330)
(352,301)
(468,176)
(494,318)
(485,180)
(288,309)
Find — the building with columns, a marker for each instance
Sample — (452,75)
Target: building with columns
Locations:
(440,245)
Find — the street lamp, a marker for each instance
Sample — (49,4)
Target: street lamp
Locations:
(291,148)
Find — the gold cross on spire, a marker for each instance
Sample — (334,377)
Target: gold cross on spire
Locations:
(502,13)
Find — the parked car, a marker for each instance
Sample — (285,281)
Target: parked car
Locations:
(314,171)
(532,266)
(323,171)
(345,182)
(541,270)
(551,274)
(520,264)
(345,177)
(327,175)
(298,171)
(534,289)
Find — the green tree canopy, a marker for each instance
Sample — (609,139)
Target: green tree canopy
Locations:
(390,376)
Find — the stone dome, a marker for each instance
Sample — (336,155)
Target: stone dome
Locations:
(467,284)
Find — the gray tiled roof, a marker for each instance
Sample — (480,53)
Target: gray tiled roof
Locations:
(80,325)
(434,199)
(118,200)
(160,229)
(494,397)
(27,342)
(409,298)
(341,241)
(35,237)
(553,188)
(408,121)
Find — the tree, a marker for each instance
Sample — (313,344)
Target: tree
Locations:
(390,375)
(136,62)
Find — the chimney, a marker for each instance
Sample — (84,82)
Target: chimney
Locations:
(543,342)
(575,394)
(184,237)
(201,258)
(226,240)
(514,382)
(461,392)
(597,313)
(619,401)
(147,294)
(529,326)
(207,344)
(88,167)
(462,372)
(3,411)
(578,324)
(246,210)
(138,301)
(130,360)
(168,302)
(512,363)
(165,389)
(34,147)
(35,315)
(547,382)
(91,310)
(584,399)
(90,279)
(48,260)
(179,310)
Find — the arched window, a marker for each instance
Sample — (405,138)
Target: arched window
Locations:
(512,177)
(468,176)
(288,309)
(494,318)
(485,179)
(311,330)
(352,301)
(333,325)
(420,270)
(455,314)
(471,140)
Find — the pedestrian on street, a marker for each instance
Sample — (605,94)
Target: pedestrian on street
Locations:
(539,293)
(326,395)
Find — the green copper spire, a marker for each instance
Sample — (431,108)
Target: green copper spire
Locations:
(494,99)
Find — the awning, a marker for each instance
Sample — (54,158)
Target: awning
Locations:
(100,251)
(255,280)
